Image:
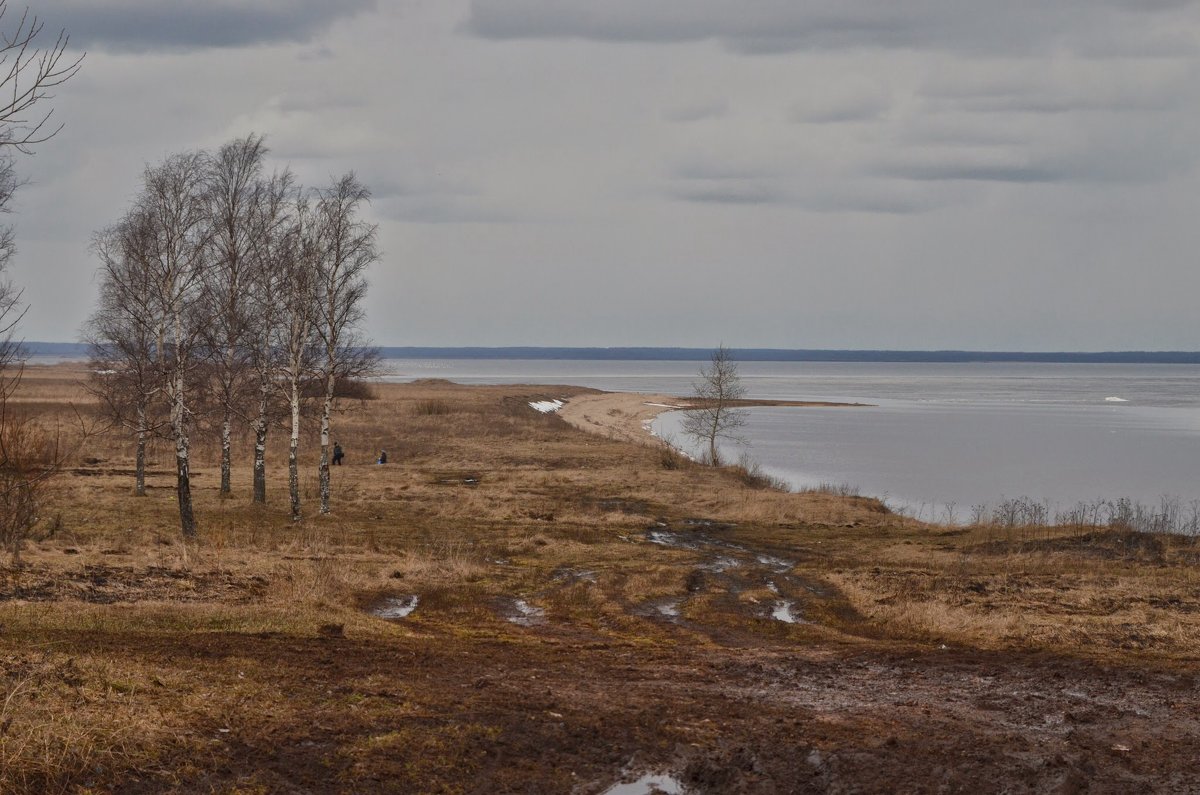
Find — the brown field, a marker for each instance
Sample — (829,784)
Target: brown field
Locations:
(922,658)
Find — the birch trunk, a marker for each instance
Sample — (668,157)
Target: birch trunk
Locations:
(226,431)
(293,446)
(140,469)
(183,483)
(323,467)
(260,446)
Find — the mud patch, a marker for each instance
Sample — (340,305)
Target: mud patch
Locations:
(101,584)
(570,576)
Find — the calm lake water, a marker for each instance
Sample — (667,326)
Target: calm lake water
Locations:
(938,435)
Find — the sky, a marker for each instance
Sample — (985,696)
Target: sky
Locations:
(964,174)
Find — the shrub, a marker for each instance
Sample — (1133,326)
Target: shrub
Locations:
(432,407)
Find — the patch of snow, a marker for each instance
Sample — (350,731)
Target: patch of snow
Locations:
(647,785)
(778,564)
(784,611)
(669,609)
(1115,400)
(526,614)
(722,564)
(547,406)
(396,607)
(663,406)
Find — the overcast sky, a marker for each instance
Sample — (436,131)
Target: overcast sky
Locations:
(819,174)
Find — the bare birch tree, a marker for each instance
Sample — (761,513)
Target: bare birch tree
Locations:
(714,415)
(347,247)
(232,184)
(273,242)
(295,293)
(123,335)
(173,205)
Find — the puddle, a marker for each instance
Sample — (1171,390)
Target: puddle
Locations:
(777,564)
(667,539)
(667,608)
(786,612)
(709,523)
(526,615)
(395,607)
(648,784)
(721,564)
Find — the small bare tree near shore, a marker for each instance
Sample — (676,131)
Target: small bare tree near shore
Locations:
(714,414)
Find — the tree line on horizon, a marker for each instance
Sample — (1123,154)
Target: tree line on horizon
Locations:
(232,294)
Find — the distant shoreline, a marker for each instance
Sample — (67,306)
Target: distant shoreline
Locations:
(69,349)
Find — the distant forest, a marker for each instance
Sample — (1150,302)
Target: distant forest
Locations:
(740,354)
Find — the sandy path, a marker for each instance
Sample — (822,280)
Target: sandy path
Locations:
(618,415)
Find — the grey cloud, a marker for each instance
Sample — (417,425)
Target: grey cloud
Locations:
(973,172)
(700,170)
(873,203)
(148,25)
(429,210)
(840,110)
(732,193)
(776,26)
(698,112)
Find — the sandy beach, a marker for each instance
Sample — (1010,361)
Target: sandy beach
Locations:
(627,415)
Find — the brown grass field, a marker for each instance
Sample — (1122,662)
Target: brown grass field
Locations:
(589,610)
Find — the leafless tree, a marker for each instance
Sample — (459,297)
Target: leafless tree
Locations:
(273,243)
(174,207)
(295,294)
(714,415)
(28,73)
(233,180)
(124,332)
(346,248)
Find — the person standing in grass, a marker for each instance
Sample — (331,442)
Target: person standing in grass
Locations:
(338,454)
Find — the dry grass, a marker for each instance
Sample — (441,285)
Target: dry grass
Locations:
(484,500)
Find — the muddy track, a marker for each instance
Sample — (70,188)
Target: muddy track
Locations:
(563,717)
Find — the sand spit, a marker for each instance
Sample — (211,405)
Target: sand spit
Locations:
(627,415)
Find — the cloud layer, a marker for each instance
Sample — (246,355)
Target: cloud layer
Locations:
(145,25)
(837,173)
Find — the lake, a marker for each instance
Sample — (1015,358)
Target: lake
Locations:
(939,438)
